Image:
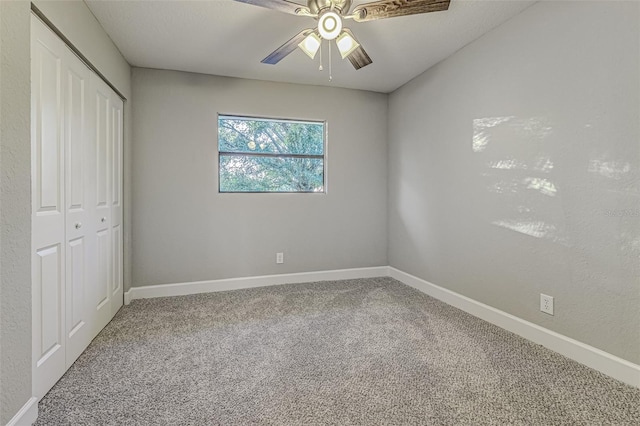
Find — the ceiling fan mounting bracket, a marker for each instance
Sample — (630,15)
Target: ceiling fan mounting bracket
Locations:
(303,11)
(317,6)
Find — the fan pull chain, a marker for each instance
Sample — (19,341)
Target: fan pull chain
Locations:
(320,67)
(330,76)
(329,42)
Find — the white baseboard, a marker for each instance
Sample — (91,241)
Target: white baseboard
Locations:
(27,414)
(181,289)
(595,358)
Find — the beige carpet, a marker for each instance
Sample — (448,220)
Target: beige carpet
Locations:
(365,352)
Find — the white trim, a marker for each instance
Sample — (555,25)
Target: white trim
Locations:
(27,414)
(595,358)
(181,289)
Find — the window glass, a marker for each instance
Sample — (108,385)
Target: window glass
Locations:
(269,155)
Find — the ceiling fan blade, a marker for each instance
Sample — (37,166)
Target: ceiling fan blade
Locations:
(359,57)
(291,45)
(280,5)
(393,8)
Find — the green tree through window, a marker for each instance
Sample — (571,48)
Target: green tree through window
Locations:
(265,155)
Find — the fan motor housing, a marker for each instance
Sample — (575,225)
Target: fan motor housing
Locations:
(316,6)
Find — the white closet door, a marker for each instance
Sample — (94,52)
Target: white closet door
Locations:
(102,127)
(48,209)
(117,292)
(79,162)
(76,139)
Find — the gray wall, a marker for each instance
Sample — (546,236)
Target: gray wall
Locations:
(514,171)
(75,20)
(183,230)
(15,209)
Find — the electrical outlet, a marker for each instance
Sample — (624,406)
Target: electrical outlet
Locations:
(279,257)
(546,304)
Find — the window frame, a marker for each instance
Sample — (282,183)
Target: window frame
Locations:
(323,157)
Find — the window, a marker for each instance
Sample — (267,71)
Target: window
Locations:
(268,155)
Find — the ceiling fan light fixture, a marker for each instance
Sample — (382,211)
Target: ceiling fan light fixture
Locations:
(329,25)
(310,45)
(346,44)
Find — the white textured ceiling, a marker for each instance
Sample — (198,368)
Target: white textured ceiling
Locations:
(223,37)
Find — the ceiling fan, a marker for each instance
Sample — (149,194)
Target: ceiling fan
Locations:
(331,14)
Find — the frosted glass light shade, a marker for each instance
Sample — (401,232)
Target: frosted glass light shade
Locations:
(310,45)
(346,44)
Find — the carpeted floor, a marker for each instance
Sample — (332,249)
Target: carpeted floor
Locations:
(365,352)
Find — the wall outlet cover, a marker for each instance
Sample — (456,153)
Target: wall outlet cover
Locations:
(546,304)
